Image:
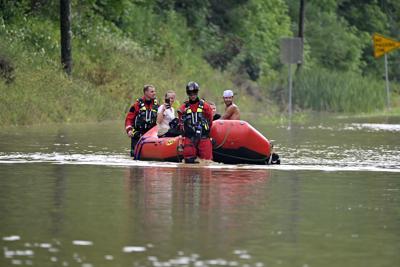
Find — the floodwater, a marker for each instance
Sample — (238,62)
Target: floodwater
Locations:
(71,196)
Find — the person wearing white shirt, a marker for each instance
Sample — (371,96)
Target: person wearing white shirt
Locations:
(166,114)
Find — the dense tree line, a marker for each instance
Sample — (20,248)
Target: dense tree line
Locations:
(243,35)
(238,38)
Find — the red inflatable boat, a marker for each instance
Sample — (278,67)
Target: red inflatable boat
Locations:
(234,142)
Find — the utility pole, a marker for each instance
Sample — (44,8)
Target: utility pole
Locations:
(302,14)
(66,35)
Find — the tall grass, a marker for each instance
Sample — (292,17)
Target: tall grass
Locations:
(323,90)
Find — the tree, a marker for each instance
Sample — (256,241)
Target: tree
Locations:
(261,24)
(66,34)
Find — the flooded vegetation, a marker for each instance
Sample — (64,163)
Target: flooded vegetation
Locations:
(71,196)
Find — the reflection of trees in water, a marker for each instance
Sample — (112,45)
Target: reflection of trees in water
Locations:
(57,213)
(186,204)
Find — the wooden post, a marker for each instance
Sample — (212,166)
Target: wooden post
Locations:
(66,34)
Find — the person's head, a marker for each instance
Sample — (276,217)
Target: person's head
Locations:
(149,92)
(228,97)
(192,90)
(213,107)
(169,97)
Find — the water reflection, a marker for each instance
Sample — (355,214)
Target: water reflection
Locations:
(193,202)
(60,175)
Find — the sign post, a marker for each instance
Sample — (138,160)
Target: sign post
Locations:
(382,46)
(387,83)
(291,53)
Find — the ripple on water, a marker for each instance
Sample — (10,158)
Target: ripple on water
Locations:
(82,243)
(30,257)
(129,249)
(300,157)
(11,253)
(109,257)
(373,127)
(45,245)
(11,238)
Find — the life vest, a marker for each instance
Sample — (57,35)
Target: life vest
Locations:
(147,117)
(195,125)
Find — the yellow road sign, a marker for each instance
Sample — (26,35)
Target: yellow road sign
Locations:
(383,45)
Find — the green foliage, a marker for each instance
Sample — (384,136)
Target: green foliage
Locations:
(365,15)
(261,24)
(339,33)
(120,45)
(373,16)
(109,70)
(333,43)
(244,37)
(41,93)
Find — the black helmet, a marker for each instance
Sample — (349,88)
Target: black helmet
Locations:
(192,87)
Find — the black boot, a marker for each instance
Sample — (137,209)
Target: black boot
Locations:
(190,160)
(273,159)
(134,141)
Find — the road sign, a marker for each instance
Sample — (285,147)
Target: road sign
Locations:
(291,50)
(383,45)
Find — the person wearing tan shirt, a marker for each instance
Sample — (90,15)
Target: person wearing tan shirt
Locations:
(232,111)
